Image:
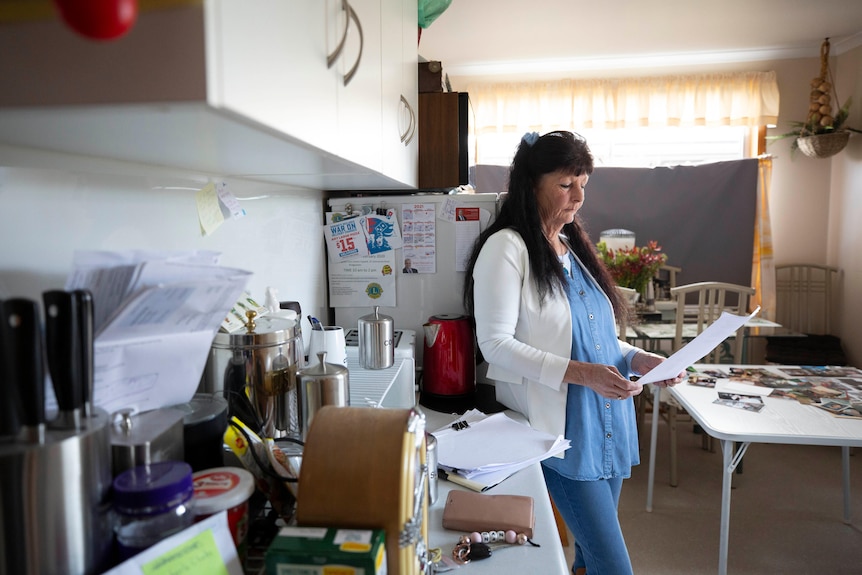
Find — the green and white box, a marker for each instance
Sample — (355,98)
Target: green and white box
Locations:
(327,551)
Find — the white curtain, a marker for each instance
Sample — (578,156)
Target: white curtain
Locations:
(732,99)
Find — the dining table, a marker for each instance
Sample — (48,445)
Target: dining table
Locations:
(657,335)
(777,417)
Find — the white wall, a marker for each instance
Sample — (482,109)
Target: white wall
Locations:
(55,204)
(845,232)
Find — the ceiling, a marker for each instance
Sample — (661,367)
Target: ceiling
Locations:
(552,38)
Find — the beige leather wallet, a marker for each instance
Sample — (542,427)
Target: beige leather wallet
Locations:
(469,511)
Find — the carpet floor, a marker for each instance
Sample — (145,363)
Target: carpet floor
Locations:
(786,514)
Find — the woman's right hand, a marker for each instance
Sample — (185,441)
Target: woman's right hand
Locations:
(606,380)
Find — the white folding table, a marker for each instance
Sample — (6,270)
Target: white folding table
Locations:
(781,421)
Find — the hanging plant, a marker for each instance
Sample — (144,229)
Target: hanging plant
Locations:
(823,133)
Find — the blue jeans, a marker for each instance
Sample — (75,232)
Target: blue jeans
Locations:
(589,508)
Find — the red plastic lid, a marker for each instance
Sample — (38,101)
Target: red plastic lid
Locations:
(221,488)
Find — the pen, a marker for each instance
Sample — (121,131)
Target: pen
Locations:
(315,323)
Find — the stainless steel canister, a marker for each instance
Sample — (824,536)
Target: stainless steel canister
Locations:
(319,385)
(145,438)
(263,358)
(431,462)
(376,341)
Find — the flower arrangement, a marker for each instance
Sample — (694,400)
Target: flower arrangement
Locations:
(633,267)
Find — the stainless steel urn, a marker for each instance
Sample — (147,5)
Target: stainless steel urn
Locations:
(376,341)
(261,358)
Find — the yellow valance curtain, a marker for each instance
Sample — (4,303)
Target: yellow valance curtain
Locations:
(732,99)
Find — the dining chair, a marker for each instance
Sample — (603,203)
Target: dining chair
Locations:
(630,296)
(700,304)
(805,297)
(665,279)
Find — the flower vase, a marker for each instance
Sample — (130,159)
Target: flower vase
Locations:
(631,295)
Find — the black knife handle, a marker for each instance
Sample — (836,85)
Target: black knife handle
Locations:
(24,357)
(9,407)
(62,345)
(85,325)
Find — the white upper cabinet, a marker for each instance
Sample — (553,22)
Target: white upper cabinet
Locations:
(400,90)
(358,68)
(266,61)
(291,91)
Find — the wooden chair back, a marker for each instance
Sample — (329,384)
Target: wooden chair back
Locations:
(804,295)
(702,303)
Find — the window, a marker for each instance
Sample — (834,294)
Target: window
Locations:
(634,147)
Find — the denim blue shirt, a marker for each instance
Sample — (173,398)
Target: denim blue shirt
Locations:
(603,432)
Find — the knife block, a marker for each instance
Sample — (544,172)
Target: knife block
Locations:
(55,501)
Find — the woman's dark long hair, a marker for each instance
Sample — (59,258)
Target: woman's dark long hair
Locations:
(535,157)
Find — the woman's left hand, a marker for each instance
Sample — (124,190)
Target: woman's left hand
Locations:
(644,361)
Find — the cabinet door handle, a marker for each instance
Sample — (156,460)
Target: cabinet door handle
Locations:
(330,60)
(349,76)
(407,129)
(412,127)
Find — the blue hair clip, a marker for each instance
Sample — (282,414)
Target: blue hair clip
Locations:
(530,138)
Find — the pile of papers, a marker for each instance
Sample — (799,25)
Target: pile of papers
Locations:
(479,451)
(156,315)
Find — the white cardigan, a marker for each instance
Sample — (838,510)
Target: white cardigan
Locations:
(527,346)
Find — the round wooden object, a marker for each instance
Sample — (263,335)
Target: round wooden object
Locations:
(362,468)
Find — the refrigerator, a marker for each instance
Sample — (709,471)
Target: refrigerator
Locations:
(437,234)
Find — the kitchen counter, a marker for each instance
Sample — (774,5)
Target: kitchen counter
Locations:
(548,559)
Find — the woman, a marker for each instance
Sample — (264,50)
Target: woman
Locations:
(545,308)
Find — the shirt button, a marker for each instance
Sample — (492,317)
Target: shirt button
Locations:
(608,435)
(582,292)
(607,405)
(598,346)
(591,316)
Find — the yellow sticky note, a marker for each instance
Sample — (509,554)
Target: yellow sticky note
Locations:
(209,210)
(197,556)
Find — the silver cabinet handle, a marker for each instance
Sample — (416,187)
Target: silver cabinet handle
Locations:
(411,129)
(407,129)
(330,60)
(349,76)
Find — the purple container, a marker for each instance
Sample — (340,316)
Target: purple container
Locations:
(151,503)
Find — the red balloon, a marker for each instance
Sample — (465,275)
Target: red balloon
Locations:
(99,19)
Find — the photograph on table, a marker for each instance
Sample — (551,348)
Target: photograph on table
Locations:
(748,373)
(842,408)
(807,393)
(739,401)
(702,380)
(822,371)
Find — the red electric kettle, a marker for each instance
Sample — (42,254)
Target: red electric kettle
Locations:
(448,364)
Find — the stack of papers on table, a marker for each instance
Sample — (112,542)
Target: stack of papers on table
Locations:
(479,451)
(156,314)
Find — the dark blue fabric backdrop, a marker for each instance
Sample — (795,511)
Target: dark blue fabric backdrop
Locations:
(702,216)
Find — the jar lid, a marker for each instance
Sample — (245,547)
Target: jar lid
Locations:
(221,488)
(203,407)
(375,317)
(154,488)
(617,233)
(269,330)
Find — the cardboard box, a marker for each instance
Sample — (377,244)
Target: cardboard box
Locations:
(327,551)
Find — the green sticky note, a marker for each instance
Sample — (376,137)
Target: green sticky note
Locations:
(197,556)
